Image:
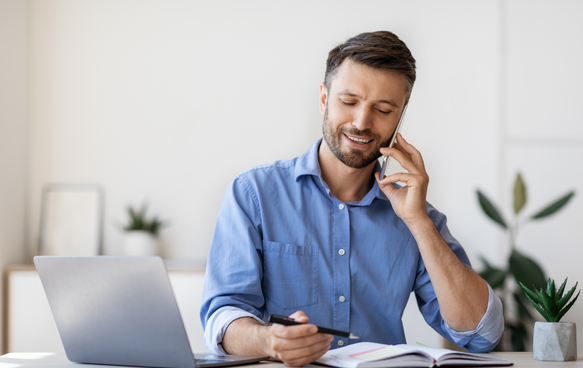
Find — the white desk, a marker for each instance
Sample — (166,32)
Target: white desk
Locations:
(51,360)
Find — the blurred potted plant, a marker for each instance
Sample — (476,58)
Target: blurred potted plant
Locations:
(553,340)
(141,233)
(520,268)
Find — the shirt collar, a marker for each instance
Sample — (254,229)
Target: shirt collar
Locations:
(308,164)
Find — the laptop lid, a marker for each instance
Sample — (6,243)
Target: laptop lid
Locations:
(115,310)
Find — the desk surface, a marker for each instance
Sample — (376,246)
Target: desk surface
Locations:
(51,360)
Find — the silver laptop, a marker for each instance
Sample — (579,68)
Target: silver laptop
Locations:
(120,311)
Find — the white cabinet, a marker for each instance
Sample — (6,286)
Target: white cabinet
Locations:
(30,325)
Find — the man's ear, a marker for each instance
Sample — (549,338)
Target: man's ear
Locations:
(323,98)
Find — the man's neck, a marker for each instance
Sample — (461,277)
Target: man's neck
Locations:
(346,183)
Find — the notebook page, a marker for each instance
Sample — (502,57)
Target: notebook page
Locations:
(353,355)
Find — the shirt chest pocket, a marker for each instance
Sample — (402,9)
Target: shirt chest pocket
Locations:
(290,274)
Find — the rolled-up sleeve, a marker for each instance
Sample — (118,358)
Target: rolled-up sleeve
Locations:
(488,332)
(217,324)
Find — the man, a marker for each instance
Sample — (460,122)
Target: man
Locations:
(324,236)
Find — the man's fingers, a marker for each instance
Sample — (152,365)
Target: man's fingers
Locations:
(410,179)
(303,347)
(407,156)
(413,152)
(305,355)
(293,332)
(402,158)
(281,343)
(385,186)
(298,362)
(299,344)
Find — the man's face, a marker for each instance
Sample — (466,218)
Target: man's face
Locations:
(361,111)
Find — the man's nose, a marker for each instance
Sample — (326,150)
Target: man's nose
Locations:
(362,120)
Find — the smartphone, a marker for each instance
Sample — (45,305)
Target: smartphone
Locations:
(386,159)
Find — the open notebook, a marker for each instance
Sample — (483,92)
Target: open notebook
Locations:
(373,355)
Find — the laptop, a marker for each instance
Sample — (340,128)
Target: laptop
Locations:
(121,311)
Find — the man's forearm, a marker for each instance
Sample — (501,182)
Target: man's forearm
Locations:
(462,295)
(246,336)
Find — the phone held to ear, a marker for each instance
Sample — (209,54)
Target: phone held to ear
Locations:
(392,143)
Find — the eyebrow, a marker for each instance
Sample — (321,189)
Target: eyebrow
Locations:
(348,93)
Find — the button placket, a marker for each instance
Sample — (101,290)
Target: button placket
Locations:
(342,282)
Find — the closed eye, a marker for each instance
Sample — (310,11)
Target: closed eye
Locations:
(384,112)
(348,103)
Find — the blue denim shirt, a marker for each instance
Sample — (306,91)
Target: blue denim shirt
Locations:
(283,242)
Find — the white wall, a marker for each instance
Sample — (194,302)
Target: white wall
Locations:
(14,62)
(168,100)
(543,131)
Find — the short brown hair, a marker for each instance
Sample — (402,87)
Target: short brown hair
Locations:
(380,50)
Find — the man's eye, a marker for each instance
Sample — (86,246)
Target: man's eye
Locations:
(347,103)
(384,112)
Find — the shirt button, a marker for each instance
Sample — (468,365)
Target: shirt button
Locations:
(342,298)
(341,252)
(341,206)
(340,342)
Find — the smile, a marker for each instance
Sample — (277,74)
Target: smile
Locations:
(358,140)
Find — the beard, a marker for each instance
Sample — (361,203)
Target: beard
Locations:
(350,157)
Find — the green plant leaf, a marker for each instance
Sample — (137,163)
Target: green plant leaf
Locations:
(523,311)
(567,296)
(540,309)
(526,270)
(559,294)
(132,214)
(562,312)
(490,210)
(139,220)
(549,304)
(551,289)
(519,194)
(134,219)
(485,261)
(553,207)
(494,276)
(532,294)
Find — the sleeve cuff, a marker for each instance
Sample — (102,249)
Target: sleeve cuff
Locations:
(217,326)
(490,327)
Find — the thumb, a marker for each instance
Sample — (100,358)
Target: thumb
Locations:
(384,187)
(300,317)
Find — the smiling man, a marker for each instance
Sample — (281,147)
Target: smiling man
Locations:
(323,236)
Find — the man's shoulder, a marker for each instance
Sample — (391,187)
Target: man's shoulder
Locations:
(291,169)
(278,170)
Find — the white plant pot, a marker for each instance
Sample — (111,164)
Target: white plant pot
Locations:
(555,341)
(139,243)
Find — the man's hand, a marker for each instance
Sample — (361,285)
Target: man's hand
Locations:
(298,345)
(408,201)
(294,345)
